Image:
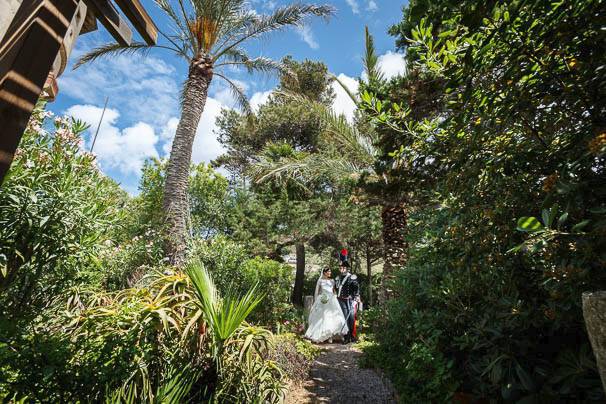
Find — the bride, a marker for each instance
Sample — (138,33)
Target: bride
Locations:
(326,318)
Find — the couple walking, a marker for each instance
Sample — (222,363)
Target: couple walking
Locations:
(335,304)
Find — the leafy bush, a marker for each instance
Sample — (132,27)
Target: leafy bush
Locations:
(229,264)
(56,210)
(275,282)
(293,355)
(223,258)
(508,139)
(105,340)
(129,343)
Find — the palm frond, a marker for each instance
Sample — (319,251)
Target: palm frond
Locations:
(259,64)
(290,15)
(224,315)
(339,133)
(238,93)
(180,26)
(303,169)
(113,49)
(371,60)
(347,90)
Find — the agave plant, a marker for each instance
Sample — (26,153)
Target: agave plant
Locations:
(174,389)
(224,315)
(210,36)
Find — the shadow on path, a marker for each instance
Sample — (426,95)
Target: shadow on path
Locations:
(335,377)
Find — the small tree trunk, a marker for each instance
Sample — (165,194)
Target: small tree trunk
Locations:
(176,205)
(594,312)
(297,293)
(369,275)
(395,247)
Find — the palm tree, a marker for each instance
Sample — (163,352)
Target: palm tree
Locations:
(209,35)
(348,152)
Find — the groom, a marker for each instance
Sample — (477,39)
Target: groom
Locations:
(348,291)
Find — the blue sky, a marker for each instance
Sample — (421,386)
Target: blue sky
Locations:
(143,109)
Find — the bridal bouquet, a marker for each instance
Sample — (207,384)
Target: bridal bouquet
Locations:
(324,299)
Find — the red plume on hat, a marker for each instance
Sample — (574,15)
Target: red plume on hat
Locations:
(343,255)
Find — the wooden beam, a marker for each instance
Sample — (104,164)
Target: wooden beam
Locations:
(107,14)
(142,22)
(32,42)
(90,23)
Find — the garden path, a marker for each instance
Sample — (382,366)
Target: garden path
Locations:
(335,377)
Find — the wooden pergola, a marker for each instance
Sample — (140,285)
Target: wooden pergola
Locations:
(34,49)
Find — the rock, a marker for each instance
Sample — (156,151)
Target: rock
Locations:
(594,312)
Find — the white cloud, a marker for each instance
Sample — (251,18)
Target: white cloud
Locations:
(124,150)
(142,88)
(355,7)
(343,104)
(307,36)
(372,5)
(258,99)
(392,64)
(206,145)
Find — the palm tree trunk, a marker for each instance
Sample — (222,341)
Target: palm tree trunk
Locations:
(297,293)
(176,203)
(395,247)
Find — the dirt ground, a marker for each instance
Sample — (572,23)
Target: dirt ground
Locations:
(335,377)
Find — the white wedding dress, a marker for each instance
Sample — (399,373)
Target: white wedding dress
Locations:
(326,318)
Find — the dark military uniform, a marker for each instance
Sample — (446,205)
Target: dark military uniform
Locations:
(348,289)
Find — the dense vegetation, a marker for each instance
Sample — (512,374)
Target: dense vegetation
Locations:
(511,229)
(90,308)
(476,181)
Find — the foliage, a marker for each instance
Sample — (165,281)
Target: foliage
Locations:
(229,263)
(279,120)
(238,349)
(223,258)
(56,210)
(129,344)
(212,34)
(100,341)
(517,135)
(293,355)
(210,202)
(274,279)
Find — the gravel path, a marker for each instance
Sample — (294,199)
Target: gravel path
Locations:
(335,377)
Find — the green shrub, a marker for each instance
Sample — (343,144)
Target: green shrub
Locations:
(293,355)
(106,340)
(228,263)
(481,324)
(56,210)
(275,282)
(224,259)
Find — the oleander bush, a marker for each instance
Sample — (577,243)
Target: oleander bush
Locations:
(56,212)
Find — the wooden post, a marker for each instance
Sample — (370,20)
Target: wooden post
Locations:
(594,312)
(27,53)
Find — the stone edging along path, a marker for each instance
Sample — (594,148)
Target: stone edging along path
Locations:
(335,377)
